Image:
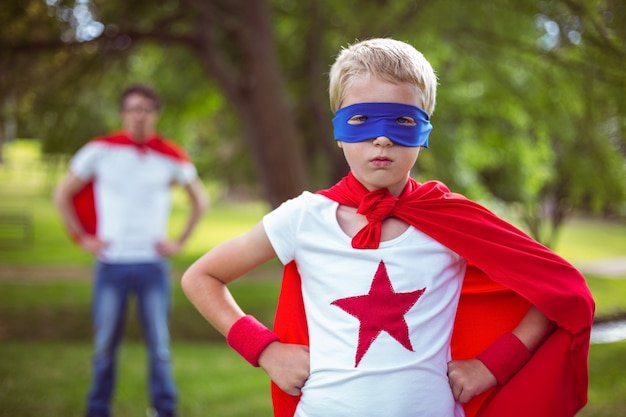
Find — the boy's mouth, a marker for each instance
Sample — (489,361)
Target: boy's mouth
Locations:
(381,161)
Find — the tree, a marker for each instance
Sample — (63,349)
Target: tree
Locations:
(538,111)
(233,41)
(530,109)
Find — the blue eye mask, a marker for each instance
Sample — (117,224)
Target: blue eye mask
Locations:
(382,120)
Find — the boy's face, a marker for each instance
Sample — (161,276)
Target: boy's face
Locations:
(379,163)
(139,116)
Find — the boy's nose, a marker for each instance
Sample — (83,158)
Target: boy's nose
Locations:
(382,141)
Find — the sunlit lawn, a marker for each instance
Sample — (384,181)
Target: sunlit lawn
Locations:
(50,378)
(45,363)
(45,351)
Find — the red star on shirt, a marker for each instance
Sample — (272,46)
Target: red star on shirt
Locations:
(380,309)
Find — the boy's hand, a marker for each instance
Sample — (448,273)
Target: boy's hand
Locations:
(287,365)
(469,378)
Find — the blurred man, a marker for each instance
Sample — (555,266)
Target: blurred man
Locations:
(115,202)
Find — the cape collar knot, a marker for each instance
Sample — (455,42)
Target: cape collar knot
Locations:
(376,206)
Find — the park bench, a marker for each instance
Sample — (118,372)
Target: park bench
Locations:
(16,228)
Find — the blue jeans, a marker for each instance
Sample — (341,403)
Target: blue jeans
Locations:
(114,285)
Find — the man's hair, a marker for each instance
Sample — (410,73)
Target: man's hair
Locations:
(142,90)
(390,60)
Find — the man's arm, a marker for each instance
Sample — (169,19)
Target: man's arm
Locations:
(199,204)
(63,196)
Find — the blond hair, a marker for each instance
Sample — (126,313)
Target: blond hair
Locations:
(390,60)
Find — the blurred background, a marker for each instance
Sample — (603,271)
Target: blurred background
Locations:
(530,121)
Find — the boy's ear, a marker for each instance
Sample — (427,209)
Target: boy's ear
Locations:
(339,144)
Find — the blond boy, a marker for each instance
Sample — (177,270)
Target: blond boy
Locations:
(376,266)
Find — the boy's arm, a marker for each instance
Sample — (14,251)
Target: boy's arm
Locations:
(205,284)
(534,328)
(205,280)
(469,378)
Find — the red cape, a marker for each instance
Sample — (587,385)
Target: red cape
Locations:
(84,201)
(507,272)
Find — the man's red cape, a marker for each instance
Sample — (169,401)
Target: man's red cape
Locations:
(507,272)
(84,201)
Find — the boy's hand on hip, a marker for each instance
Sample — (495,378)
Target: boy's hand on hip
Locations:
(469,378)
(287,365)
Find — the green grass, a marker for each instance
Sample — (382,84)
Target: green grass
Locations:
(609,295)
(60,310)
(52,246)
(585,239)
(212,380)
(50,379)
(607,381)
(45,327)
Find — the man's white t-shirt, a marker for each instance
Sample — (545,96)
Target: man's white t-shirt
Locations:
(132,189)
(379,321)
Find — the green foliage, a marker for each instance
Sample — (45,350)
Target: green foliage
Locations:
(531,110)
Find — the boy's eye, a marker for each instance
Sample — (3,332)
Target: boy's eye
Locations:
(360,119)
(357,120)
(409,121)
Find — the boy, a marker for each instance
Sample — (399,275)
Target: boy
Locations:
(375,267)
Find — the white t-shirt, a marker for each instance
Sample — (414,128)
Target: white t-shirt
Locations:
(132,189)
(355,299)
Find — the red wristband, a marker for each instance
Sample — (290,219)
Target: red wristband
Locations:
(249,338)
(505,357)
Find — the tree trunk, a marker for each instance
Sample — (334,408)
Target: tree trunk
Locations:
(269,123)
(253,84)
